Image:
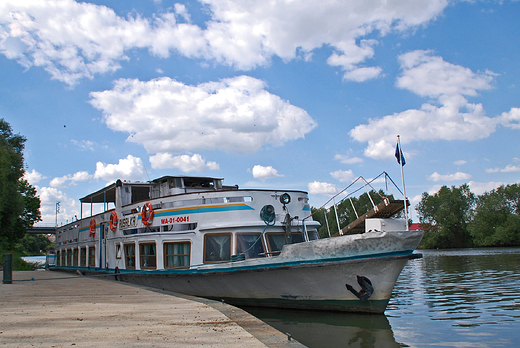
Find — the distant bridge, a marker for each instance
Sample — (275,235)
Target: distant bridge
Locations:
(42,229)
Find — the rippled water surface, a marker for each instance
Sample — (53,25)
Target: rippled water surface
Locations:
(455,298)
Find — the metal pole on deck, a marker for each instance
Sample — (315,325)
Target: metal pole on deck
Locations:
(327,222)
(340,232)
(401,158)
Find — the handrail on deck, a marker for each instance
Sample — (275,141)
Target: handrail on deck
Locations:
(349,196)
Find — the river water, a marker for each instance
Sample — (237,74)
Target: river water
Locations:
(449,298)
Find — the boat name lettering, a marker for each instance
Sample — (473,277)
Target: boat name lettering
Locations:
(175,219)
(128,222)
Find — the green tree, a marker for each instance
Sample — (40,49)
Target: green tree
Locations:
(445,217)
(34,244)
(497,218)
(19,205)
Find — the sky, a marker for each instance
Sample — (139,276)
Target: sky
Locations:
(283,94)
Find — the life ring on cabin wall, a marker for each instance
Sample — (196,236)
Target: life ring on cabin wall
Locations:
(114,220)
(147,214)
(92,228)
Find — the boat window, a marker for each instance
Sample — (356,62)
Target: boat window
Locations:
(129,256)
(118,251)
(215,200)
(149,229)
(175,183)
(74,257)
(69,257)
(296,238)
(83,257)
(179,227)
(235,199)
(148,255)
(303,199)
(217,247)
(177,255)
(276,241)
(250,244)
(313,234)
(140,193)
(59,258)
(132,231)
(92,256)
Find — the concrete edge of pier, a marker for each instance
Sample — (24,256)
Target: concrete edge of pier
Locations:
(44,308)
(265,333)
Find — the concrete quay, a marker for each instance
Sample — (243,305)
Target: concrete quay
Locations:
(55,309)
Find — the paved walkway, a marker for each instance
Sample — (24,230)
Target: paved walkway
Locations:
(65,310)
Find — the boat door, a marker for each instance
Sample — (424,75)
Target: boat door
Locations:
(102,245)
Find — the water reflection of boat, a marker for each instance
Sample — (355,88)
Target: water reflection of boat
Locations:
(329,329)
(194,235)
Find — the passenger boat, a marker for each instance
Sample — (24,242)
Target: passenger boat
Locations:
(196,236)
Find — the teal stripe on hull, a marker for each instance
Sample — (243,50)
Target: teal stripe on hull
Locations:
(224,270)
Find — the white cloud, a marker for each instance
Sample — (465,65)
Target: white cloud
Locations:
(264,173)
(33,177)
(508,169)
(49,196)
(234,115)
(185,163)
(348,160)
(73,40)
(83,144)
(321,188)
(478,188)
(449,115)
(343,175)
(511,119)
(449,177)
(460,162)
(70,179)
(129,168)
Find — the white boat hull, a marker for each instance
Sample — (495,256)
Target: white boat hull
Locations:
(320,285)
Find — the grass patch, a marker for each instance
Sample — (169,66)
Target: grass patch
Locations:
(18,263)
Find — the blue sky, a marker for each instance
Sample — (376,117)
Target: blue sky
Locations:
(282,94)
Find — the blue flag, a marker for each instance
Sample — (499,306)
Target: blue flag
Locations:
(399,155)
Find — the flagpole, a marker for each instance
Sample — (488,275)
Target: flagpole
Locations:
(402,179)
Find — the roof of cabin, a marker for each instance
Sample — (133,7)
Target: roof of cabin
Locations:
(108,193)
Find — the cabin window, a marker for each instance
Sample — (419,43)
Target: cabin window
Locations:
(68,254)
(118,251)
(74,257)
(152,229)
(296,238)
(175,183)
(177,255)
(217,247)
(250,244)
(92,256)
(276,241)
(148,255)
(179,227)
(313,234)
(60,255)
(83,257)
(130,256)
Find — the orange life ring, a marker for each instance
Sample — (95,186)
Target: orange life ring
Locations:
(147,214)
(92,229)
(114,220)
